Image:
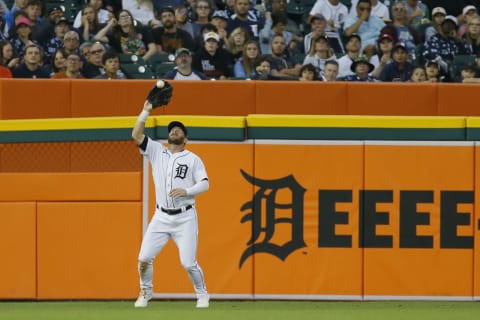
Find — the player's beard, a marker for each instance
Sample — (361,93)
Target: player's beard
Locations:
(176,140)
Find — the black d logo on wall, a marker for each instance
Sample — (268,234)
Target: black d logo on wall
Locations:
(263,214)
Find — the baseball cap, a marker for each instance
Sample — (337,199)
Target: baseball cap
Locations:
(61,20)
(24,21)
(451,18)
(55,8)
(468,8)
(384,36)
(432,62)
(439,10)
(317,17)
(211,35)
(181,51)
(220,14)
(174,124)
(400,45)
(354,35)
(166,9)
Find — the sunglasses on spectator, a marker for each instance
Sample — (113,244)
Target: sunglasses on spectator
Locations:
(96,51)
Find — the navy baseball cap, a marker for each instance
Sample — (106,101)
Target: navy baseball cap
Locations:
(174,124)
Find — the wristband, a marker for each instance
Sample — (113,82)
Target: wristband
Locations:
(143,116)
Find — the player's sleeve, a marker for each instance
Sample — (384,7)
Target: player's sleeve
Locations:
(152,148)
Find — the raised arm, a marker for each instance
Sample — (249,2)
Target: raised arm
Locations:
(138,132)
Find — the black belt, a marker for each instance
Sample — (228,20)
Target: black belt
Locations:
(176,211)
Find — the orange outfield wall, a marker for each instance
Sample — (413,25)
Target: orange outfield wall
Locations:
(25,99)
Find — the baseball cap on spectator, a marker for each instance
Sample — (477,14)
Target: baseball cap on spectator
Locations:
(451,18)
(24,21)
(354,35)
(468,8)
(364,60)
(211,35)
(181,51)
(220,14)
(61,20)
(437,10)
(317,17)
(400,45)
(384,36)
(55,8)
(174,124)
(166,9)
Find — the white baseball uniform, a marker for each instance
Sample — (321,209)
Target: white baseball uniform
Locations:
(175,218)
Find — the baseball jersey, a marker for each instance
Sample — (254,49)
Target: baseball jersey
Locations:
(173,170)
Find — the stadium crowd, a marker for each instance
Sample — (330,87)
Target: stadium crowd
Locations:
(305,40)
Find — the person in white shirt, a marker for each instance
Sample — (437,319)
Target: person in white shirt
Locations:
(378,9)
(103,15)
(333,10)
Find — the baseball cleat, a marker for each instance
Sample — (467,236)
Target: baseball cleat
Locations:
(143,298)
(203,301)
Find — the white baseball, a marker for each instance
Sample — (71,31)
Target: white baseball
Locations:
(160,84)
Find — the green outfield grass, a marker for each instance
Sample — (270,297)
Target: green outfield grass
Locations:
(241,310)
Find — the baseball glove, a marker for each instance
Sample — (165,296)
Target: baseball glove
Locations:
(160,96)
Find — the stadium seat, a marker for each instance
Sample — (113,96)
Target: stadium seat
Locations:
(136,71)
(460,61)
(161,68)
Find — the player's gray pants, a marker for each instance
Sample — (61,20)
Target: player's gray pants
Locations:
(183,229)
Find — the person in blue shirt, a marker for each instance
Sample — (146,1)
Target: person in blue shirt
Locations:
(400,69)
(31,67)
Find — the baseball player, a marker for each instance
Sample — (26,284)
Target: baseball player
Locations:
(179,175)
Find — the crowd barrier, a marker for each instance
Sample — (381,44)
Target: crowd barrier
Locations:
(51,98)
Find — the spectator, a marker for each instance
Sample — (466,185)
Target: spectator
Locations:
(317,27)
(438,16)
(56,42)
(416,13)
(333,10)
(103,15)
(400,69)
(34,14)
(181,19)
(467,74)
(211,60)
(236,42)
(378,9)
(71,42)
(384,54)
(111,65)
(418,75)
(126,38)
(23,37)
(282,65)
(366,26)
(72,70)
(19,5)
(202,15)
(31,66)
(94,66)
(245,18)
(444,46)
(7,57)
(472,36)
(141,10)
(361,68)
(158,5)
(58,62)
(275,24)
(47,31)
(433,72)
(402,32)
(169,38)
(468,13)
(320,52)
(245,65)
(85,50)
(308,72)
(263,69)
(90,25)
(183,70)
(353,45)
(220,20)
(453,8)
(281,6)
(330,71)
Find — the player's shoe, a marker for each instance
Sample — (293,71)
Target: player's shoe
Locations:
(143,298)
(203,301)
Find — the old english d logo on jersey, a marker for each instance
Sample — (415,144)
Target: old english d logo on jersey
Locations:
(181,171)
(264,215)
